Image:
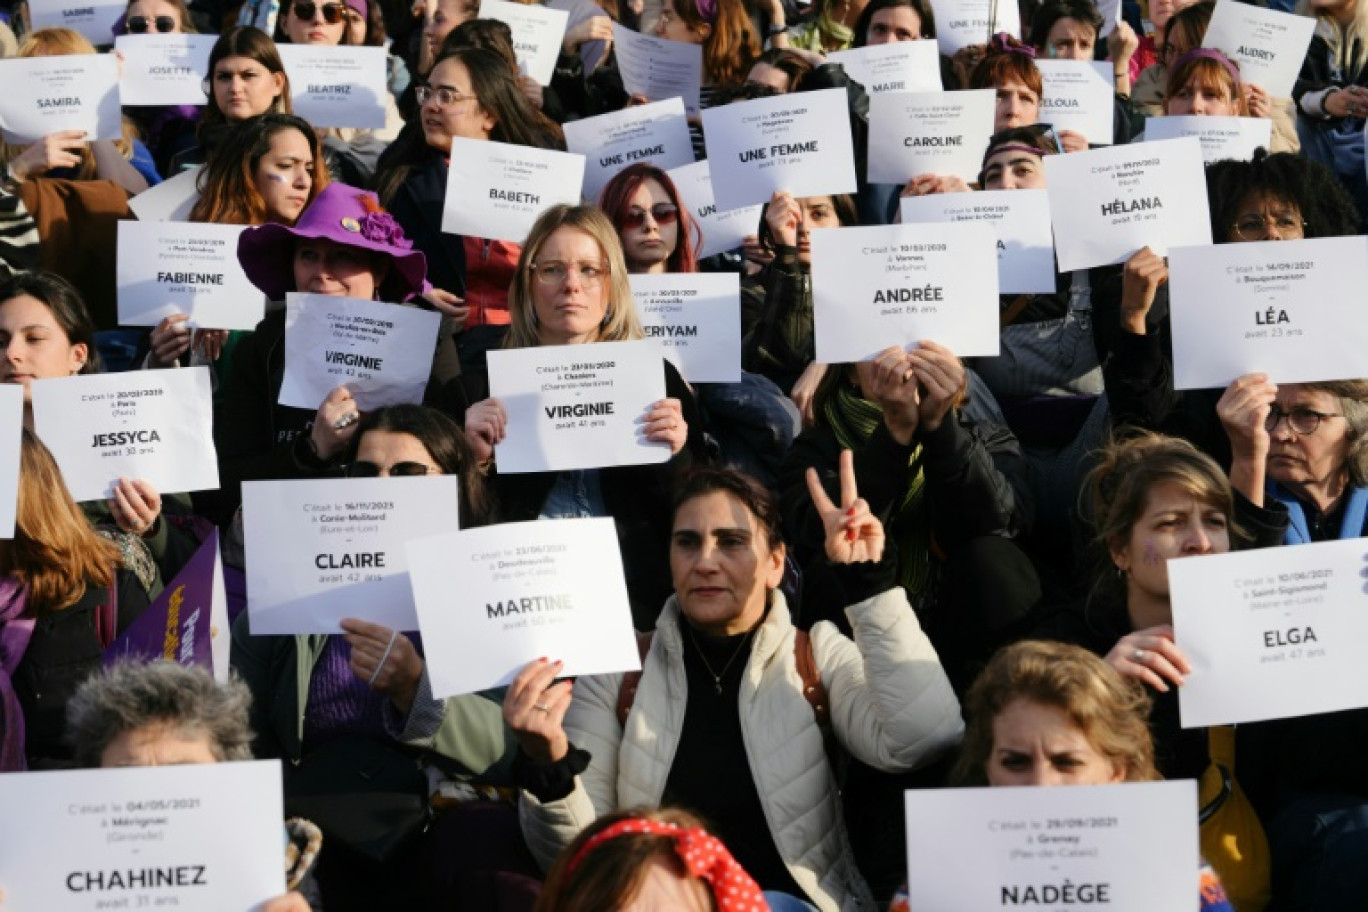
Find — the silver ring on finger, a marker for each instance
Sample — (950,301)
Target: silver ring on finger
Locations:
(346,420)
(542,708)
(1138,655)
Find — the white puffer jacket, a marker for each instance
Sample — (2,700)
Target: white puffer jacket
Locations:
(891,707)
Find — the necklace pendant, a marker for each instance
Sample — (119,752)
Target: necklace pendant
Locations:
(717,686)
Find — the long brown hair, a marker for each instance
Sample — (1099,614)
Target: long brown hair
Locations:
(55,551)
(256,45)
(227,184)
(731,47)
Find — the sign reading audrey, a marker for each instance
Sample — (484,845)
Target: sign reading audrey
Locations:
(164,69)
(51,94)
(960,23)
(167,268)
(495,190)
(1272,633)
(1079,97)
(336,86)
(189,836)
(721,230)
(656,69)
(527,589)
(799,143)
(537,34)
(1276,308)
(896,284)
(657,133)
(898,66)
(577,406)
(1109,203)
(1021,219)
(1268,45)
(696,319)
(323,549)
(11,438)
(1054,848)
(152,425)
(913,133)
(1221,137)
(94,19)
(375,350)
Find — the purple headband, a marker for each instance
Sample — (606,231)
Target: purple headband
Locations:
(1002,43)
(1013,147)
(707,9)
(1210,54)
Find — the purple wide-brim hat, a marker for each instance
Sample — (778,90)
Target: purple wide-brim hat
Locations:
(344,215)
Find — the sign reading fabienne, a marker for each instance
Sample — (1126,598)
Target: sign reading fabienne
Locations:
(799,143)
(656,133)
(166,268)
(45,95)
(164,69)
(1109,203)
(1021,220)
(1276,308)
(896,284)
(190,836)
(696,318)
(496,190)
(914,133)
(373,349)
(1054,848)
(153,425)
(577,406)
(528,589)
(337,86)
(323,549)
(1271,633)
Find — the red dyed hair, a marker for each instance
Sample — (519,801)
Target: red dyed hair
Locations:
(616,200)
(1015,64)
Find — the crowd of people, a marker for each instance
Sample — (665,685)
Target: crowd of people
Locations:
(848,580)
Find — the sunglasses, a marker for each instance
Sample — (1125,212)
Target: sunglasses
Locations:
(332,12)
(398,470)
(663,213)
(138,25)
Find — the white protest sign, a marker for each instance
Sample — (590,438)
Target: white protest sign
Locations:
(1221,137)
(696,319)
(544,588)
(323,549)
(657,133)
(1111,15)
(1271,633)
(658,69)
(154,425)
(898,66)
(163,69)
(1275,308)
(960,23)
(799,143)
(1079,97)
(1054,848)
(187,836)
(722,230)
(94,19)
(897,284)
(11,437)
(537,34)
(914,133)
(1108,203)
(337,85)
(382,353)
(51,94)
(169,201)
(496,190)
(167,268)
(1268,45)
(577,406)
(1021,220)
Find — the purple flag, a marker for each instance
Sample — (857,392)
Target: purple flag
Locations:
(177,625)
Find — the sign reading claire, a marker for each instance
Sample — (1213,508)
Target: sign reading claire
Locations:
(191,836)
(529,589)
(153,425)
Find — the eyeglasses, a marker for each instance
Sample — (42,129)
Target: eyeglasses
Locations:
(554,272)
(1301,420)
(1285,226)
(398,470)
(138,25)
(445,95)
(662,213)
(332,12)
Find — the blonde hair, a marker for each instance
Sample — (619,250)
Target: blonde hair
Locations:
(1348,44)
(619,323)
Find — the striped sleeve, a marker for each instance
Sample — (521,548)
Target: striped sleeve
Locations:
(18,235)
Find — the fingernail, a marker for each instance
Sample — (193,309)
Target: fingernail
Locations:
(850,512)
(542,659)
(851,535)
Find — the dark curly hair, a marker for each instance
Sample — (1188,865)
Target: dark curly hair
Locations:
(704,480)
(1325,205)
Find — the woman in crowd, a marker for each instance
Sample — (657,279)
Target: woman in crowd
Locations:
(1008,67)
(779,69)
(830,27)
(442,17)
(718,720)
(655,228)
(1332,92)
(66,594)
(167,129)
(724,30)
(1070,30)
(886,21)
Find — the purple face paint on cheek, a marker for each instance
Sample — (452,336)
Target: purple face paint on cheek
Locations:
(1150,555)
(278,178)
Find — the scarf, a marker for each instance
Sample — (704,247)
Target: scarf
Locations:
(15,633)
(1299,533)
(853,419)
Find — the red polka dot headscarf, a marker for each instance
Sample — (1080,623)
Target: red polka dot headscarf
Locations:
(704,857)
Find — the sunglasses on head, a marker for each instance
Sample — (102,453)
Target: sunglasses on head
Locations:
(398,470)
(663,213)
(138,25)
(332,12)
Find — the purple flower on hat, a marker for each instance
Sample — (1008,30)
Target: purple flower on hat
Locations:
(381,228)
